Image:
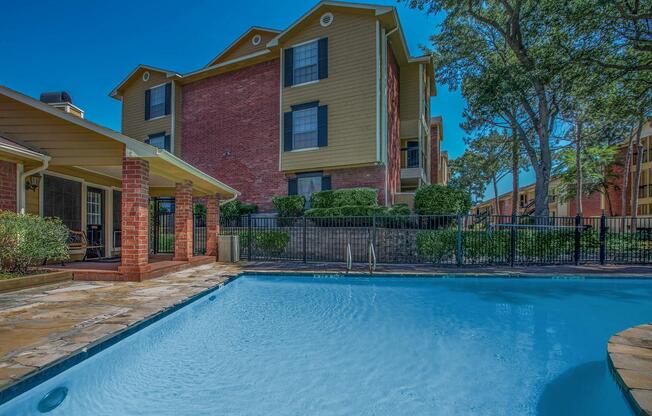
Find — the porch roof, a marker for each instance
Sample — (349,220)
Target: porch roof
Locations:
(72,141)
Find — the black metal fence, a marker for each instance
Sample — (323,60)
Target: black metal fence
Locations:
(446,239)
(199,233)
(162,233)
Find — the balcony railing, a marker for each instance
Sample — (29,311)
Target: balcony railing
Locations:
(410,157)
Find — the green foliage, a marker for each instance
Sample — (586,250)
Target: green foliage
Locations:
(399,209)
(27,240)
(346,211)
(441,200)
(199,209)
(289,206)
(597,175)
(322,199)
(235,209)
(437,245)
(273,242)
(366,197)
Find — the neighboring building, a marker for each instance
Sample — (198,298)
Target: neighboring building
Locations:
(329,102)
(55,163)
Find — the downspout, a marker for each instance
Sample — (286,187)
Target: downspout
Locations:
(25,175)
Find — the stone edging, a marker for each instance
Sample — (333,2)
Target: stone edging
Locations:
(630,359)
(46,278)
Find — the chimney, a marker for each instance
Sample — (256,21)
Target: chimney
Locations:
(63,101)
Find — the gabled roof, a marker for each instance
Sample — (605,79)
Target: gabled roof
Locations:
(170,74)
(236,42)
(379,10)
(14,147)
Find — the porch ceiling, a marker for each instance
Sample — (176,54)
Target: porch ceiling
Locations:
(71,141)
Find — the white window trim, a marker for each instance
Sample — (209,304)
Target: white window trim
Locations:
(164,115)
(306,149)
(314,81)
(305,43)
(296,45)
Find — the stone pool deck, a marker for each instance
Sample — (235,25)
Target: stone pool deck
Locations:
(630,356)
(41,325)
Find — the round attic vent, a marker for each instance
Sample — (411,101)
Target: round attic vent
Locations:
(326,19)
(256,40)
(146,76)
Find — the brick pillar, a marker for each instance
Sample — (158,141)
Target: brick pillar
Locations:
(183,222)
(135,218)
(212,224)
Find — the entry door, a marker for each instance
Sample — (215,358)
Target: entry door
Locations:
(95,227)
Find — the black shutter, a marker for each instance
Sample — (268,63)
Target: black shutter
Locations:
(168,97)
(167,142)
(322,126)
(292,186)
(322,51)
(287,131)
(147,99)
(288,62)
(325,183)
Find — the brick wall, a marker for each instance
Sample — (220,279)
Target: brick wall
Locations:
(393,128)
(365,177)
(7,186)
(230,130)
(135,217)
(435,154)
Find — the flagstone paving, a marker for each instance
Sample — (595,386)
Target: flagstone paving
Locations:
(630,354)
(42,324)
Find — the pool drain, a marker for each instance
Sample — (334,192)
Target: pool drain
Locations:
(52,400)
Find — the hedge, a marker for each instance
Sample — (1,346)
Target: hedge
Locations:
(367,197)
(235,209)
(289,206)
(28,240)
(441,200)
(273,242)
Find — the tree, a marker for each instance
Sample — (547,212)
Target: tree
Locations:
(467,177)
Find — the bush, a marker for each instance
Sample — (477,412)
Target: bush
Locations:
(322,199)
(367,197)
(437,245)
(399,209)
(235,209)
(271,242)
(289,206)
(28,240)
(441,200)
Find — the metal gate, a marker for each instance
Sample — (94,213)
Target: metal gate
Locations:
(199,233)
(161,212)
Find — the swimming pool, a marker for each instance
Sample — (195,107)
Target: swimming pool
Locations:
(281,345)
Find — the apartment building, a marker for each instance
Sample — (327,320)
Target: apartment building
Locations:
(335,100)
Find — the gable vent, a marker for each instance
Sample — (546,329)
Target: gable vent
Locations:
(256,40)
(326,19)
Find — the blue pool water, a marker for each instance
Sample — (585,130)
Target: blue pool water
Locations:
(269,345)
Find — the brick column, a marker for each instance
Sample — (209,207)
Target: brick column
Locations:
(212,224)
(183,222)
(135,218)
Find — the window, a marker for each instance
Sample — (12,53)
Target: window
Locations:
(117,218)
(157,101)
(62,199)
(159,140)
(305,63)
(94,207)
(308,183)
(304,128)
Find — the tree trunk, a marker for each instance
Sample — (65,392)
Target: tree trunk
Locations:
(515,169)
(626,173)
(637,172)
(496,196)
(578,166)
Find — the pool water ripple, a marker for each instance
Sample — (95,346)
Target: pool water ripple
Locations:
(366,346)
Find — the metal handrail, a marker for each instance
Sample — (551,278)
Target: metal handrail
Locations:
(372,258)
(349,258)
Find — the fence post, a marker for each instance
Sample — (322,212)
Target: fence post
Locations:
(305,254)
(512,242)
(603,235)
(458,241)
(578,236)
(250,237)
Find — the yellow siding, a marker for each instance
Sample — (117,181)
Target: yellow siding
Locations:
(87,176)
(178,91)
(244,47)
(349,92)
(134,124)
(409,99)
(32,205)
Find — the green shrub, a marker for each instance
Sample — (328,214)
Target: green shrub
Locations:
(28,240)
(437,245)
(441,200)
(399,209)
(367,197)
(289,206)
(271,242)
(346,211)
(322,199)
(235,209)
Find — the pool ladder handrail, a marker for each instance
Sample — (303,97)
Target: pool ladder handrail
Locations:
(349,258)
(372,258)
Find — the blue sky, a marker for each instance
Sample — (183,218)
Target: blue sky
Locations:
(88,47)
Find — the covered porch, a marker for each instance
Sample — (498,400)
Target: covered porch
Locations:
(102,184)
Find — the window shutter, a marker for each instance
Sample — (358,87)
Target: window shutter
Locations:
(287,131)
(288,62)
(322,126)
(292,186)
(167,142)
(323,58)
(147,100)
(325,183)
(168,97)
